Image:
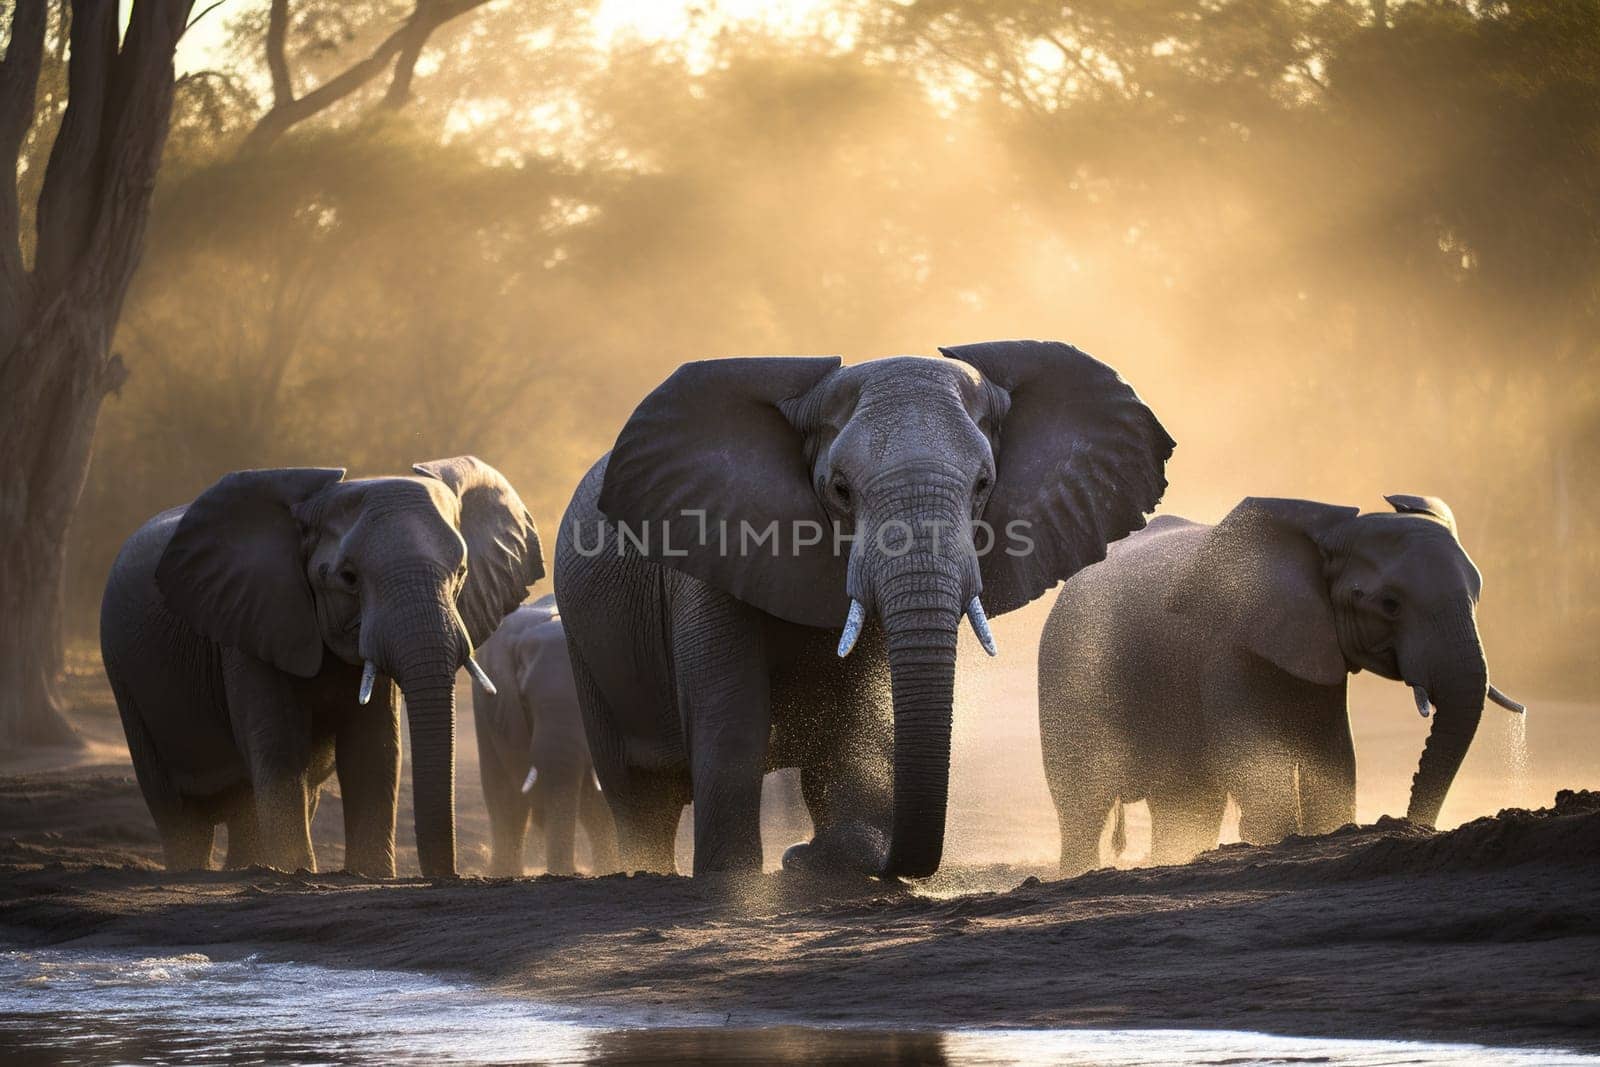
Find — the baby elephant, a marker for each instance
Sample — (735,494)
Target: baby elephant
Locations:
(1202,661)
(532,753)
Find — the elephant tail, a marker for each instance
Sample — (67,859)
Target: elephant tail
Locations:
(1119,829)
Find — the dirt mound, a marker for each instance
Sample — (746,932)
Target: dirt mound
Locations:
(1566,834)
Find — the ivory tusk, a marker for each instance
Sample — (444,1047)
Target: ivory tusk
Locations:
(369,674)
(533,776)
(980,625)
(852,627)
(480,677)
(1506,702)
(472,664)
(1421,694)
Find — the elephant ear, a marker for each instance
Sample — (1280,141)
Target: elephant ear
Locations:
(503,553)
(234,569)
(1079,461)
(1260,577)
(1430,506)
(707,463)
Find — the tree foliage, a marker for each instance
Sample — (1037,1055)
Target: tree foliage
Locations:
(1344,249)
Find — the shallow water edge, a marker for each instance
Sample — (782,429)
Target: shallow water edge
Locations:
(129,1007)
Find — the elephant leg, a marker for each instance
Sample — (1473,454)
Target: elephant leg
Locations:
(503,775)
(849,819)
(508,838)
(647,816)
(283,806)
(814,782)
(1183,827)
(244,839)
(1328,778)
(1253,740)
(181,845)
(561,823)
(367,754)
(1269,801)
(845,771)
(724,696)
(646,804)
(536,823)
(1264,785)
(595,815)
(724,700)
(1080,827)
(1086,776)
(509,808)
(275,732)
(187,841)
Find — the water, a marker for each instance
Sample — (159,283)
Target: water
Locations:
(73,1007)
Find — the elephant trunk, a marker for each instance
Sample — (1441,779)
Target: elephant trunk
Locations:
(1458,682)
(422,647)
(431,707)
(920,600)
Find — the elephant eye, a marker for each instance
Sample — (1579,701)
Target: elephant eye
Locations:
(1391,606)
(347,576)
(982,486)
(841,490)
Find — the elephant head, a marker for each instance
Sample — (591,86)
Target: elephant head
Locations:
(866,481)
(1320,590)
(404,575)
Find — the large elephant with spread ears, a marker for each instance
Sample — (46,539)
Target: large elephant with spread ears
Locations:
(1199,662)
(759,520)
(252,638)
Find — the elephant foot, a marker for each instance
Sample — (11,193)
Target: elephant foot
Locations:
(377,872)
(847,849)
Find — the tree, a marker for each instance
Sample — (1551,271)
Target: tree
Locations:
(57,314)
(397,52)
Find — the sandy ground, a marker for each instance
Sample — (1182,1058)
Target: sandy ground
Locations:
(1488,933)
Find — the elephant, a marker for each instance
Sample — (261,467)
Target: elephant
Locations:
(253,638)
(760,518)
(1201,661)
(532,753)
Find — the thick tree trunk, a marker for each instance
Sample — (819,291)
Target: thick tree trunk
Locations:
(30,644)
(57,377)
(55,333)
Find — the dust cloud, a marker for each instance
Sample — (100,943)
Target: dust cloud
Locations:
(1341,249)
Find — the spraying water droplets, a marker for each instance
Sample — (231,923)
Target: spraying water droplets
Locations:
(1517,776)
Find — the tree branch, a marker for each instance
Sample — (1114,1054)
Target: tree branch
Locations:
(208,74)
(63,21)
(404,45)
(277,56)
(1310,75)
(405,65)
(70,191)
(1075,57)
(19,74)
(135,135)
(208,9)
